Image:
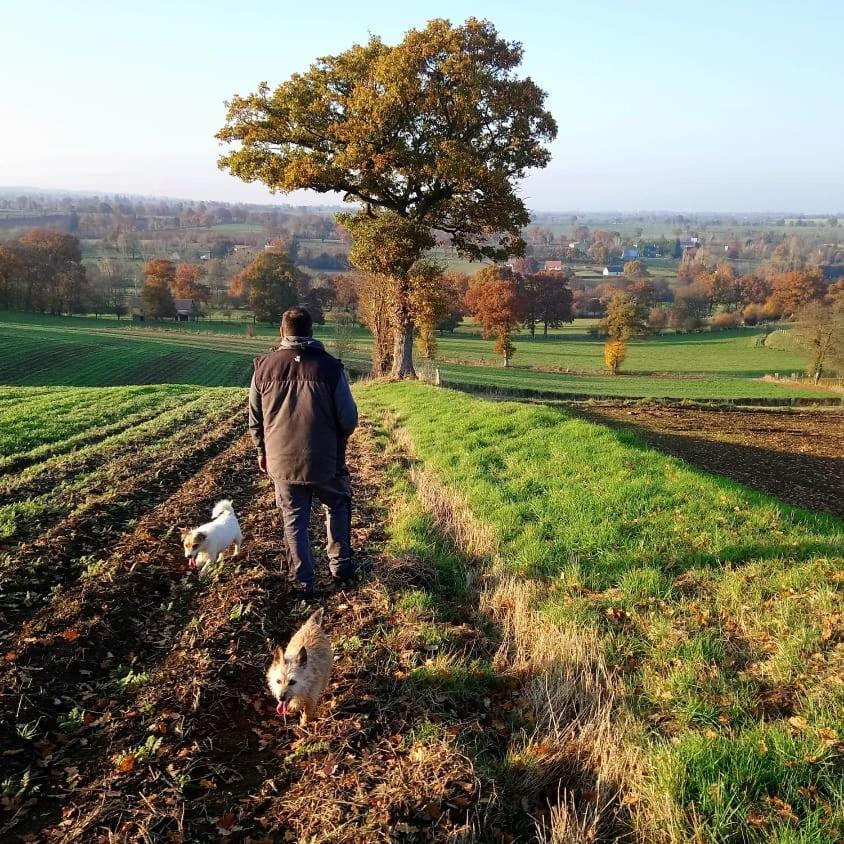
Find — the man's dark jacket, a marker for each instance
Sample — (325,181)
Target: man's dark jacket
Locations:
(301,412)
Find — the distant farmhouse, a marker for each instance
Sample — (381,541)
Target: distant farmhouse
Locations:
(614,269)
(630,254)
(832,272)
(186,310)
(552,266)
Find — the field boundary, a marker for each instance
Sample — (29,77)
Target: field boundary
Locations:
(565,395)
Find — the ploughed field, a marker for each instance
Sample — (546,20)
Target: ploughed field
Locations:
(796,455)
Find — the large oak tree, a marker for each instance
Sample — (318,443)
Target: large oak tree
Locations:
(431,134)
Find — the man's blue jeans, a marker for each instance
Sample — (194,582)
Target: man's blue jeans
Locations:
(295,501)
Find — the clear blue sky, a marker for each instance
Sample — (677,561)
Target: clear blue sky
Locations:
(661,105)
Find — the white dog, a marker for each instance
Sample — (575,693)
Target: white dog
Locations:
(206,543)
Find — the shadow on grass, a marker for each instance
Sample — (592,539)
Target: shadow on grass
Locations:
(804,480)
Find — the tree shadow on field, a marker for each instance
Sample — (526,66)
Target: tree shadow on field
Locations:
(807,481)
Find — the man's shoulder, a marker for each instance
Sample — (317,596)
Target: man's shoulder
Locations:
(316,358)
(274,356)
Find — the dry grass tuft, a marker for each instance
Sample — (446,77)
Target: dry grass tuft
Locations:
(578,759)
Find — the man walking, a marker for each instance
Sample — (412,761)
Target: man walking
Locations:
(301,414)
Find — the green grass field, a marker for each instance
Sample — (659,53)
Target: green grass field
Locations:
(45,420)
(37,355)
(716,608)
(82,351)
(236,228)
(737,352)
(532,384)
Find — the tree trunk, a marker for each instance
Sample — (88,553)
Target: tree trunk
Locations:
(403,352)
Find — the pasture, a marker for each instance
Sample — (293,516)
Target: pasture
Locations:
(83,351)
(716,611)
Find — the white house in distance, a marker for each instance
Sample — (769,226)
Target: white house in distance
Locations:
(552,266)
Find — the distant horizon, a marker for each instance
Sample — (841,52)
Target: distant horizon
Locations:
(328,206)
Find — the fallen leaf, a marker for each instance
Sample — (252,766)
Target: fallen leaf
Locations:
(226,821)
(127,763)
(783,809)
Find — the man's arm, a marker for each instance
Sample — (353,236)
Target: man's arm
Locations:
(256,423)
(344,404)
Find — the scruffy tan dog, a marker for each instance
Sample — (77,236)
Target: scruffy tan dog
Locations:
(299,674)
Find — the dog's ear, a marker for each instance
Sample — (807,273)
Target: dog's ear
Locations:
(316,618)
(199,536)
(302,658)
(278,654)
(183,532)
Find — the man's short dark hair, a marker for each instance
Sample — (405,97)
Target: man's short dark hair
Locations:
(297,322)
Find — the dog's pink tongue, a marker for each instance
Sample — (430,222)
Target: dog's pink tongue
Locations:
(281,709)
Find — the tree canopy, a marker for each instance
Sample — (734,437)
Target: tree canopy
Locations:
(429,134)
(495,301)
(269,284)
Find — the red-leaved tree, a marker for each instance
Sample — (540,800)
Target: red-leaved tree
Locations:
(493,299)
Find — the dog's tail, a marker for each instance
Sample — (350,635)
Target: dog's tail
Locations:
(224,506)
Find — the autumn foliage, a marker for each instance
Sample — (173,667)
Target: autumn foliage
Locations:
(187,284)
(269,284)
(430,134)
(614,353)
(494,300)
(42,271)
(624,319)
(156,298)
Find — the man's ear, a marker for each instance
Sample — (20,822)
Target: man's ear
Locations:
(302,658)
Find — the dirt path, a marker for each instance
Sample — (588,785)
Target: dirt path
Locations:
(133,702)
(797,456)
